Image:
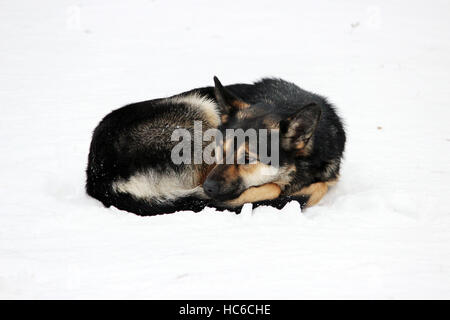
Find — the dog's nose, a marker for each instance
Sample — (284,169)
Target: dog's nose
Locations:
(211,187)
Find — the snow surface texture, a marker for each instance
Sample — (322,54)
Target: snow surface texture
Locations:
(382,232)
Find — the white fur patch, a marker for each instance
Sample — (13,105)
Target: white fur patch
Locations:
(153,186)
(206,105)
(263,174)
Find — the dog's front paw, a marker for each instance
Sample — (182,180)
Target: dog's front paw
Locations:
(267,191)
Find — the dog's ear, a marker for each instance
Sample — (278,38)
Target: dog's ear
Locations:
(227,101)
(298,128)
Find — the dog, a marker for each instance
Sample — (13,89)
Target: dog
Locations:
(131,167)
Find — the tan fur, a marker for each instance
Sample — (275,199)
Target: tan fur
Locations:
(333,182)
(267,191)
(231,173)
(224,118)
(315,191)
(300,145)
(239,104)
(304,149)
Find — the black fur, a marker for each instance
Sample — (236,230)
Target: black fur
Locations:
(278,100)
(133,138)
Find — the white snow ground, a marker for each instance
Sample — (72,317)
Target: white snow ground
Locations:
(382,232)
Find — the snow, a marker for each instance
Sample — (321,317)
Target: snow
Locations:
(382,232)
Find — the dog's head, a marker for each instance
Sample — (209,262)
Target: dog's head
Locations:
(287,135)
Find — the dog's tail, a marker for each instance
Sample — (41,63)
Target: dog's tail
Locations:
(99,185)
(102,190)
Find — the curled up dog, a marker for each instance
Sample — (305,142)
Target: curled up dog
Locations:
(264,143)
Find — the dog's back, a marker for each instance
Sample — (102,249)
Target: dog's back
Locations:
(130,164)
